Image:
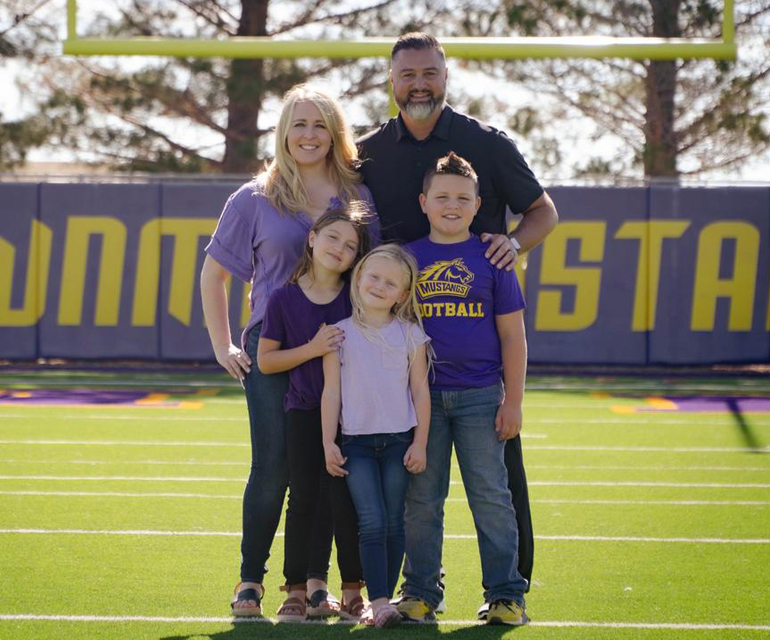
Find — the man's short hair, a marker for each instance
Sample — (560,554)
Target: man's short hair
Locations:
(450,165)
(416,40)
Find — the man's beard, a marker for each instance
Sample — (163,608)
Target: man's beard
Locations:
(422,110)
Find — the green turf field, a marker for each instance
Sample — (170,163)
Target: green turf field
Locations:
(121,519)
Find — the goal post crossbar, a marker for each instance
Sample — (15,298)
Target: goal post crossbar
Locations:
(475,48)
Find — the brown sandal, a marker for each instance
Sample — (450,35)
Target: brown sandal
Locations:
(352,610)
(293,609)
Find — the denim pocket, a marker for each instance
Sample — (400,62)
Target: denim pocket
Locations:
(404,437)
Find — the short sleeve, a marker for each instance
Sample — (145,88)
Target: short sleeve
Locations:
(508,295)
(231,244)
(513,179)
(417,336)
(273,325)
(342,324)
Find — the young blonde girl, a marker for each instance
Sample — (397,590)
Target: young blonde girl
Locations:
(298,330)
(376,388)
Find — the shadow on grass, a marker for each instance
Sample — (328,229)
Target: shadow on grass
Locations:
(249,630)
(747,433)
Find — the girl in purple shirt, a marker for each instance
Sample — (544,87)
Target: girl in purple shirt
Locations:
(376,386)
(297,332)
(259,239)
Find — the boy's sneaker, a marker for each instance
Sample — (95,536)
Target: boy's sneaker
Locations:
(441,608)
(415,610)
(481,614)
(506,612)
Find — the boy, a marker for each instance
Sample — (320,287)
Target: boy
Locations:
(473,313)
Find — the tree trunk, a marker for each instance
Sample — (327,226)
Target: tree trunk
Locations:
(244,94)
(660,144)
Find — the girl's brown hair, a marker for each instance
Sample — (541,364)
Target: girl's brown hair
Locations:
(357,214)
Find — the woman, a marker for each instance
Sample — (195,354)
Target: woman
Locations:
(259,239)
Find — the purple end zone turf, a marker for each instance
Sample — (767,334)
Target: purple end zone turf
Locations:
(91,397)
(721,404)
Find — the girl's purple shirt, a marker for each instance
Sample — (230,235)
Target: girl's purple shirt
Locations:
(257,244)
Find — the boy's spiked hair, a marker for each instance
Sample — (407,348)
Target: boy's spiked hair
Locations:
(450,165)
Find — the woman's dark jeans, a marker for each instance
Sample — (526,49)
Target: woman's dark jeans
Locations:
(308,480)
(378,481)
(269,476)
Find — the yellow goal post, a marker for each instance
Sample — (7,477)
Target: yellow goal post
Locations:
(472,48)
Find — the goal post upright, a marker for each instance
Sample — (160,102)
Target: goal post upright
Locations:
(598,47)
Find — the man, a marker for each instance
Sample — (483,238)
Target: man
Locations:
(395,158)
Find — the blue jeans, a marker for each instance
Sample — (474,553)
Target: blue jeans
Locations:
(378,480)
(269,476)
(467,419)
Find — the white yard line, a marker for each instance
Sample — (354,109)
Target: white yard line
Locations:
(119,494)
(124,478)
(127,443)
(237,463)
(586,624)
(535,483)
(449,536)
(532,447)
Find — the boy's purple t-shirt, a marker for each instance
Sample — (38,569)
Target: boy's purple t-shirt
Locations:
(257,244)
(460,292)
(293,320)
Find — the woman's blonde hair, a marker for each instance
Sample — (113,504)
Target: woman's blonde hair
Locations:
(357,214)
(283,183)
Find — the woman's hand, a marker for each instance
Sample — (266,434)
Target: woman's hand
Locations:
(334,460)
(234,360)
(327,339)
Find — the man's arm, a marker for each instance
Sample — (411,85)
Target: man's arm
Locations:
(537,222)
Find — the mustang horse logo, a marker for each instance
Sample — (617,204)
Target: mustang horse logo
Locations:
(446,277)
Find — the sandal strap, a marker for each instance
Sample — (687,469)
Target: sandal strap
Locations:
(293,604)
(317,597)
(300,586)
(356,606)
(249,593)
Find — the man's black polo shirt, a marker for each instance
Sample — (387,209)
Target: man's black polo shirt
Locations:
(394,164)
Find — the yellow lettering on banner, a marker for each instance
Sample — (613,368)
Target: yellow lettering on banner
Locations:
(709,286)
(462,311)
(185,232)
(73,277)
(650,235)
(147,281)
(38,261)
(586,280)
(450,309)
